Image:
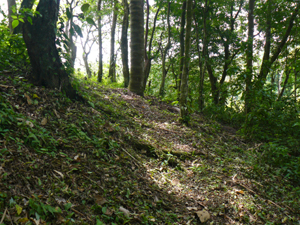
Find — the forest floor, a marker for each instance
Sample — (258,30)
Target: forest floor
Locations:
(124,159)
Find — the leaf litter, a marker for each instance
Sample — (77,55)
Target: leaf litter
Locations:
(124,159)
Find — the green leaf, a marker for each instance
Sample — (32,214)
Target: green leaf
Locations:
(29,19)
(21,20)
(85,7)
(78,30)
(90,21)
(15,23)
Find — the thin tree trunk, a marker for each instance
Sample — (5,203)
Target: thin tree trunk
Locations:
(181,39)
(112,64)
(100,69)
(185,74)
(10,5)
(164,55)
(249,57)
(124,44)
(149,57)
(201,72)
(137,47)
(212,78)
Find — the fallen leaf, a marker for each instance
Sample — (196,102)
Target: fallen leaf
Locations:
(191,208)
(203,215)
(29,101)
(44,121)
(100,200)
(19,209)
(29,123)
(59,173)
(239,192)
(56,113)
(125,211)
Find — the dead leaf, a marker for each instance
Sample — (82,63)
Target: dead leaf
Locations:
(29,123)
(44,121)
(239,192)
(59,173)
(191,208)
(29,101)
(108,127)
(100,200)
(203,215)
(125,211)
(56,113)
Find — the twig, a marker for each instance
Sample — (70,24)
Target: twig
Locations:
(5,86)
(81,214)
(137,162)
(93,182)
(3,215)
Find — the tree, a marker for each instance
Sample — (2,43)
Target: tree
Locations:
(249,56)
(10,5)
(185,72)
(124,44)
(137,46)
(47,68)
(181,38)
(100,69)
(87,47)
(112,63)
(148,54)
(164,55)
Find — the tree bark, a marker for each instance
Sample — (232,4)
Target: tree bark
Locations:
(112,64)
(124,44)
(249,57)
(212,78)
(10,5)
(137,47)
(181,39)
(185,74)
(164,55)
(149,57)
(100,69)
(47,68)
(201,71)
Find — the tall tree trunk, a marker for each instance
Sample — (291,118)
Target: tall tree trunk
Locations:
(201,71)
(112,63)
(212,78)
(185,74)
(249,57)
(72,49)
(39,38)
(164,55)
(10,5)
(124,44)
(181,39)
(149,57)
(100,69)
(137,46)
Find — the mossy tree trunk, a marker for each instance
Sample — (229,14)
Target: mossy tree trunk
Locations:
(47,68)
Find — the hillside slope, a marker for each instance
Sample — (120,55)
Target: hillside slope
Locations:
(123,159)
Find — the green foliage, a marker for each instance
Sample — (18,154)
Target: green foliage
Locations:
(41,210)
(279,157)
(13,53)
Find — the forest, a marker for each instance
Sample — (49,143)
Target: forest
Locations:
(149,112)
